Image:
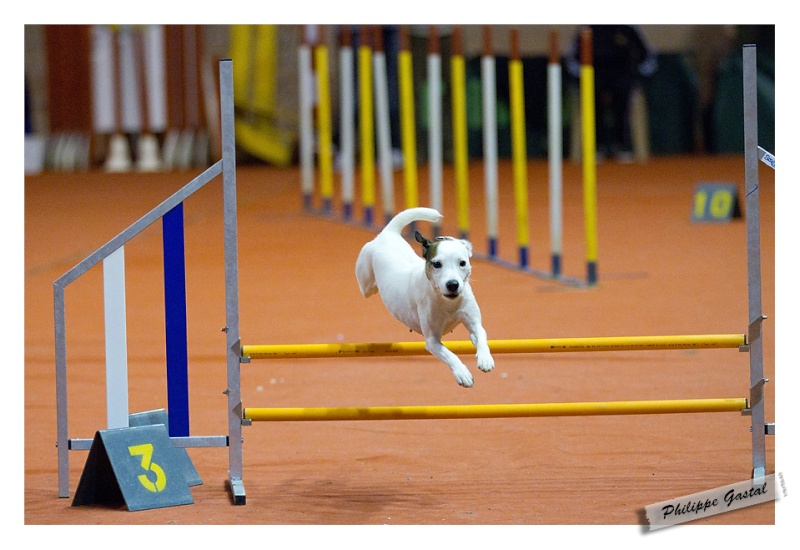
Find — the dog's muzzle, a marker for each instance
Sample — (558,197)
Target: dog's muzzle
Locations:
(452,289)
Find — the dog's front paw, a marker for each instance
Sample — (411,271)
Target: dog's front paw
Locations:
(485,362)
(463,376)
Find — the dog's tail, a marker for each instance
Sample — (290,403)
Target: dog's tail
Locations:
(405,217)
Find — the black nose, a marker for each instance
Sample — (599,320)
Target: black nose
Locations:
(452,285)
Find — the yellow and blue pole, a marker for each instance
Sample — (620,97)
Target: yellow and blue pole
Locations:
(366,127)
(324,124)
(589,151)
(460,152)
(519,150)
(408,127)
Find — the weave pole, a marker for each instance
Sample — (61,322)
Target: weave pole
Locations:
(324,124)
(589,152)
(407,125)
(306,129)
(346,126)
(460,146)
(555,152)
(365,124)
(434,73)
(462,347)
(383,122)
(452,412)
(519,148)
(489,96)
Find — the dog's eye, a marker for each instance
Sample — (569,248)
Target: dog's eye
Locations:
(437,264)
(463,263)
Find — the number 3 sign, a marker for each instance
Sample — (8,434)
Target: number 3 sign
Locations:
(137,466)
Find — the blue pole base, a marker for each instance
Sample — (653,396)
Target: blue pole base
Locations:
(556,265)
(492,247)
(591,273)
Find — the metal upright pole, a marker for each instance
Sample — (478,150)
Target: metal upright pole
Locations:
(233,341)
(755,316)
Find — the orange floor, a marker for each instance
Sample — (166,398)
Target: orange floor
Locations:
(659,274)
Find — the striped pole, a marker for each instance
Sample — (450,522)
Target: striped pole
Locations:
(306,133)
(408,127)
(589,151)
(448,412)
(555,151)
(464,347)
(347,116)
(380,82)
(489,85)
(460,152)
(366,130)
(324,123)
(435,124)
(519,149)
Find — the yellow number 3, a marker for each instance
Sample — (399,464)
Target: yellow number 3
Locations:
(146,452)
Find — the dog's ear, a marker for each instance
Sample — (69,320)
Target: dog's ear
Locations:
(426,243)
(468,246)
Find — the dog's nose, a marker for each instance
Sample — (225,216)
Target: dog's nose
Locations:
(452,285)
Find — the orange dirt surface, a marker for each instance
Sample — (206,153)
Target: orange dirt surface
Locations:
(659,274)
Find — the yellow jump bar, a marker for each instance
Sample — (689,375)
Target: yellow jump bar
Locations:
(443,412)
(551,345)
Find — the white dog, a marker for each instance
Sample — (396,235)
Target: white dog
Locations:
(430,296)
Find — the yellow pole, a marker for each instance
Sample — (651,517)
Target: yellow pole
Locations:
(324,126)
(460,152)
(519,149)
(366,127)
(443,412)
(463,347)
(589,152)
(408,130)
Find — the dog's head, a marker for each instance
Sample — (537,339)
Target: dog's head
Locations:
(446,263)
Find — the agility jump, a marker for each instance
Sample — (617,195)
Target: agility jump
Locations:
(236,353)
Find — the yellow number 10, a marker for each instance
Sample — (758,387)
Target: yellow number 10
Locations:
(719,205)
(146,452)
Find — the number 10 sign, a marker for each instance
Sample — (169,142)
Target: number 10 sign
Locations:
(715,202)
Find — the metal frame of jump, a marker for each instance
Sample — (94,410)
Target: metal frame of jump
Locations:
(236,353)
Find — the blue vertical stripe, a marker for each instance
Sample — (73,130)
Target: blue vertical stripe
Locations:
(175,317)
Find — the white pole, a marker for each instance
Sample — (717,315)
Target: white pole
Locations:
(383,126)
(116,339)
(347,130)
(555,154)
(488,81)
(435,122)
(306,136)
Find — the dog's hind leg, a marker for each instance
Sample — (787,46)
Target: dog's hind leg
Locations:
(460,370)
(365,273)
